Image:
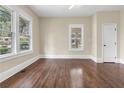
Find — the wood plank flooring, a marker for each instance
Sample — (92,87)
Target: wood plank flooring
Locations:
(68,73)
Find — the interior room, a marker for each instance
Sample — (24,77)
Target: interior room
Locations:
(61,46)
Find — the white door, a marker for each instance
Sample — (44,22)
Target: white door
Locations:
(109,42)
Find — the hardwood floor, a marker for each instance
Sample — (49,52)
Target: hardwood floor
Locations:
(67,73)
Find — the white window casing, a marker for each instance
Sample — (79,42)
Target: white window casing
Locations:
(16,12)
(80,26)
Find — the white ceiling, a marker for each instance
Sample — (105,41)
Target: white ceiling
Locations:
(63,11)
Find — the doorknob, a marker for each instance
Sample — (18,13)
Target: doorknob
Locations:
(104,45)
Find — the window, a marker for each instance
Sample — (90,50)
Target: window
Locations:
(5,31)
(15,32)
(24,34)
(76,37)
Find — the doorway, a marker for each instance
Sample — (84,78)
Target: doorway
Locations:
(109,42)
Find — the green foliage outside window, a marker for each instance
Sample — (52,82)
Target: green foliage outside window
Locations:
(5,30)
(24,33)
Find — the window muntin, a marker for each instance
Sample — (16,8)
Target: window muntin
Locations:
(5,31)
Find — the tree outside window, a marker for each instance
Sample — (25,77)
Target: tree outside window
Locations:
(5,31)
(24,34)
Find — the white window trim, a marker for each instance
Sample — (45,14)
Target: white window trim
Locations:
(11,56)
(20,12)
(30,29)
(16,12)
(82,36)
(12,49)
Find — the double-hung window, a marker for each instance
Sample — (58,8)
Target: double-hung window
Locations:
(24,34)
(6,32)
(15,32)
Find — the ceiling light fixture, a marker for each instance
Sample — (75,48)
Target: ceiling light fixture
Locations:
(72,6)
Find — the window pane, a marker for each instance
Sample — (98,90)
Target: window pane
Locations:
(5,31)
(76,38)
(24,34)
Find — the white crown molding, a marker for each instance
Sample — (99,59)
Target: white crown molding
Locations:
(8,73)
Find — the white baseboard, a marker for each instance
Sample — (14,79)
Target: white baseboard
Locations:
(6,74)
(97,60)
(94,58)
(121,61)
(66,56)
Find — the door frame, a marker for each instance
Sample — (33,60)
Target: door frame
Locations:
(115,39)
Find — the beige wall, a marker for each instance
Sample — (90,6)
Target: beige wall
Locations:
(107,17)
(122,35)
(53,29)
(54,34)
(94,36)
(14,62)
(102,18)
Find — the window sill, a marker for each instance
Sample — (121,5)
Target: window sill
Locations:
(76,49)
(11,56)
